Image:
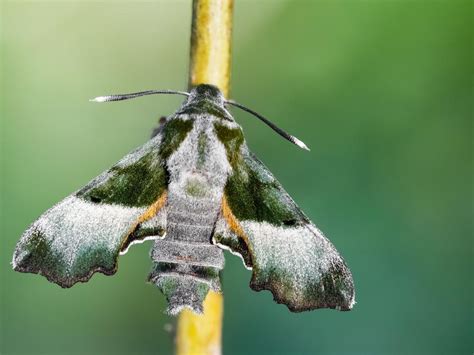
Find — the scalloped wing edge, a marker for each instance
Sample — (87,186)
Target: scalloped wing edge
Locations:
(59,244)
(305,275)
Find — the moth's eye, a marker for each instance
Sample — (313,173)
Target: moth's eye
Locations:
(289,222)
(95,199)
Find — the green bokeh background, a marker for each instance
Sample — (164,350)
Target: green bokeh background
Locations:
(380,90)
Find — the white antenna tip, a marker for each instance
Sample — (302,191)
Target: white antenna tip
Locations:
(300,143)
(99,99)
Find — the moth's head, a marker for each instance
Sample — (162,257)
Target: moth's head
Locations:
(207,92)
(203,95)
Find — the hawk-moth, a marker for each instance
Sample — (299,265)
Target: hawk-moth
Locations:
(196,189)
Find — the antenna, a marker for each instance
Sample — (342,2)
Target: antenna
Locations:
(120,97)
(281,132)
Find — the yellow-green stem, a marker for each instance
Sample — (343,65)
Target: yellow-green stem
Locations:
(210,63)
(211,38)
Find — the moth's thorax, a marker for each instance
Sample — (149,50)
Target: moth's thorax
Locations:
(199,168)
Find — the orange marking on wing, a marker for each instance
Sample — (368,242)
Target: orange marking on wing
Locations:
(148,214)
(153,209)
(235,227)
(233,222)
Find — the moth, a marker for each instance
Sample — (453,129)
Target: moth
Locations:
(196,190)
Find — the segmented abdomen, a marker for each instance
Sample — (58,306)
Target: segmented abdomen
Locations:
(186,264)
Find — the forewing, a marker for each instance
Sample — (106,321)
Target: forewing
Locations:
(86,231)
(288,255)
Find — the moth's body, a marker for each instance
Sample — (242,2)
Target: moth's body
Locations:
(198,172)
(195,189)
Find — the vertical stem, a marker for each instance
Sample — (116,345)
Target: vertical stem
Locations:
(201,334)
(211,37)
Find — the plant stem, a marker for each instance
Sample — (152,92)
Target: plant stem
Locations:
(201,334)
(211,37)
(210,60)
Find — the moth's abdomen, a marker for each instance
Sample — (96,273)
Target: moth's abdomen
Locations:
(187,279)
(186,264)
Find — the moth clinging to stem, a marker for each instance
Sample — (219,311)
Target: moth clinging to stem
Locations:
(196,189)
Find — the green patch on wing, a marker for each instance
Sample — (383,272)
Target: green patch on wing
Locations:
(254,194)
(251,191)
(232,138)
(174,133)
(138,184)
(141,177)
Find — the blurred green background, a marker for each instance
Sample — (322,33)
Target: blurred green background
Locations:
(380,90)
